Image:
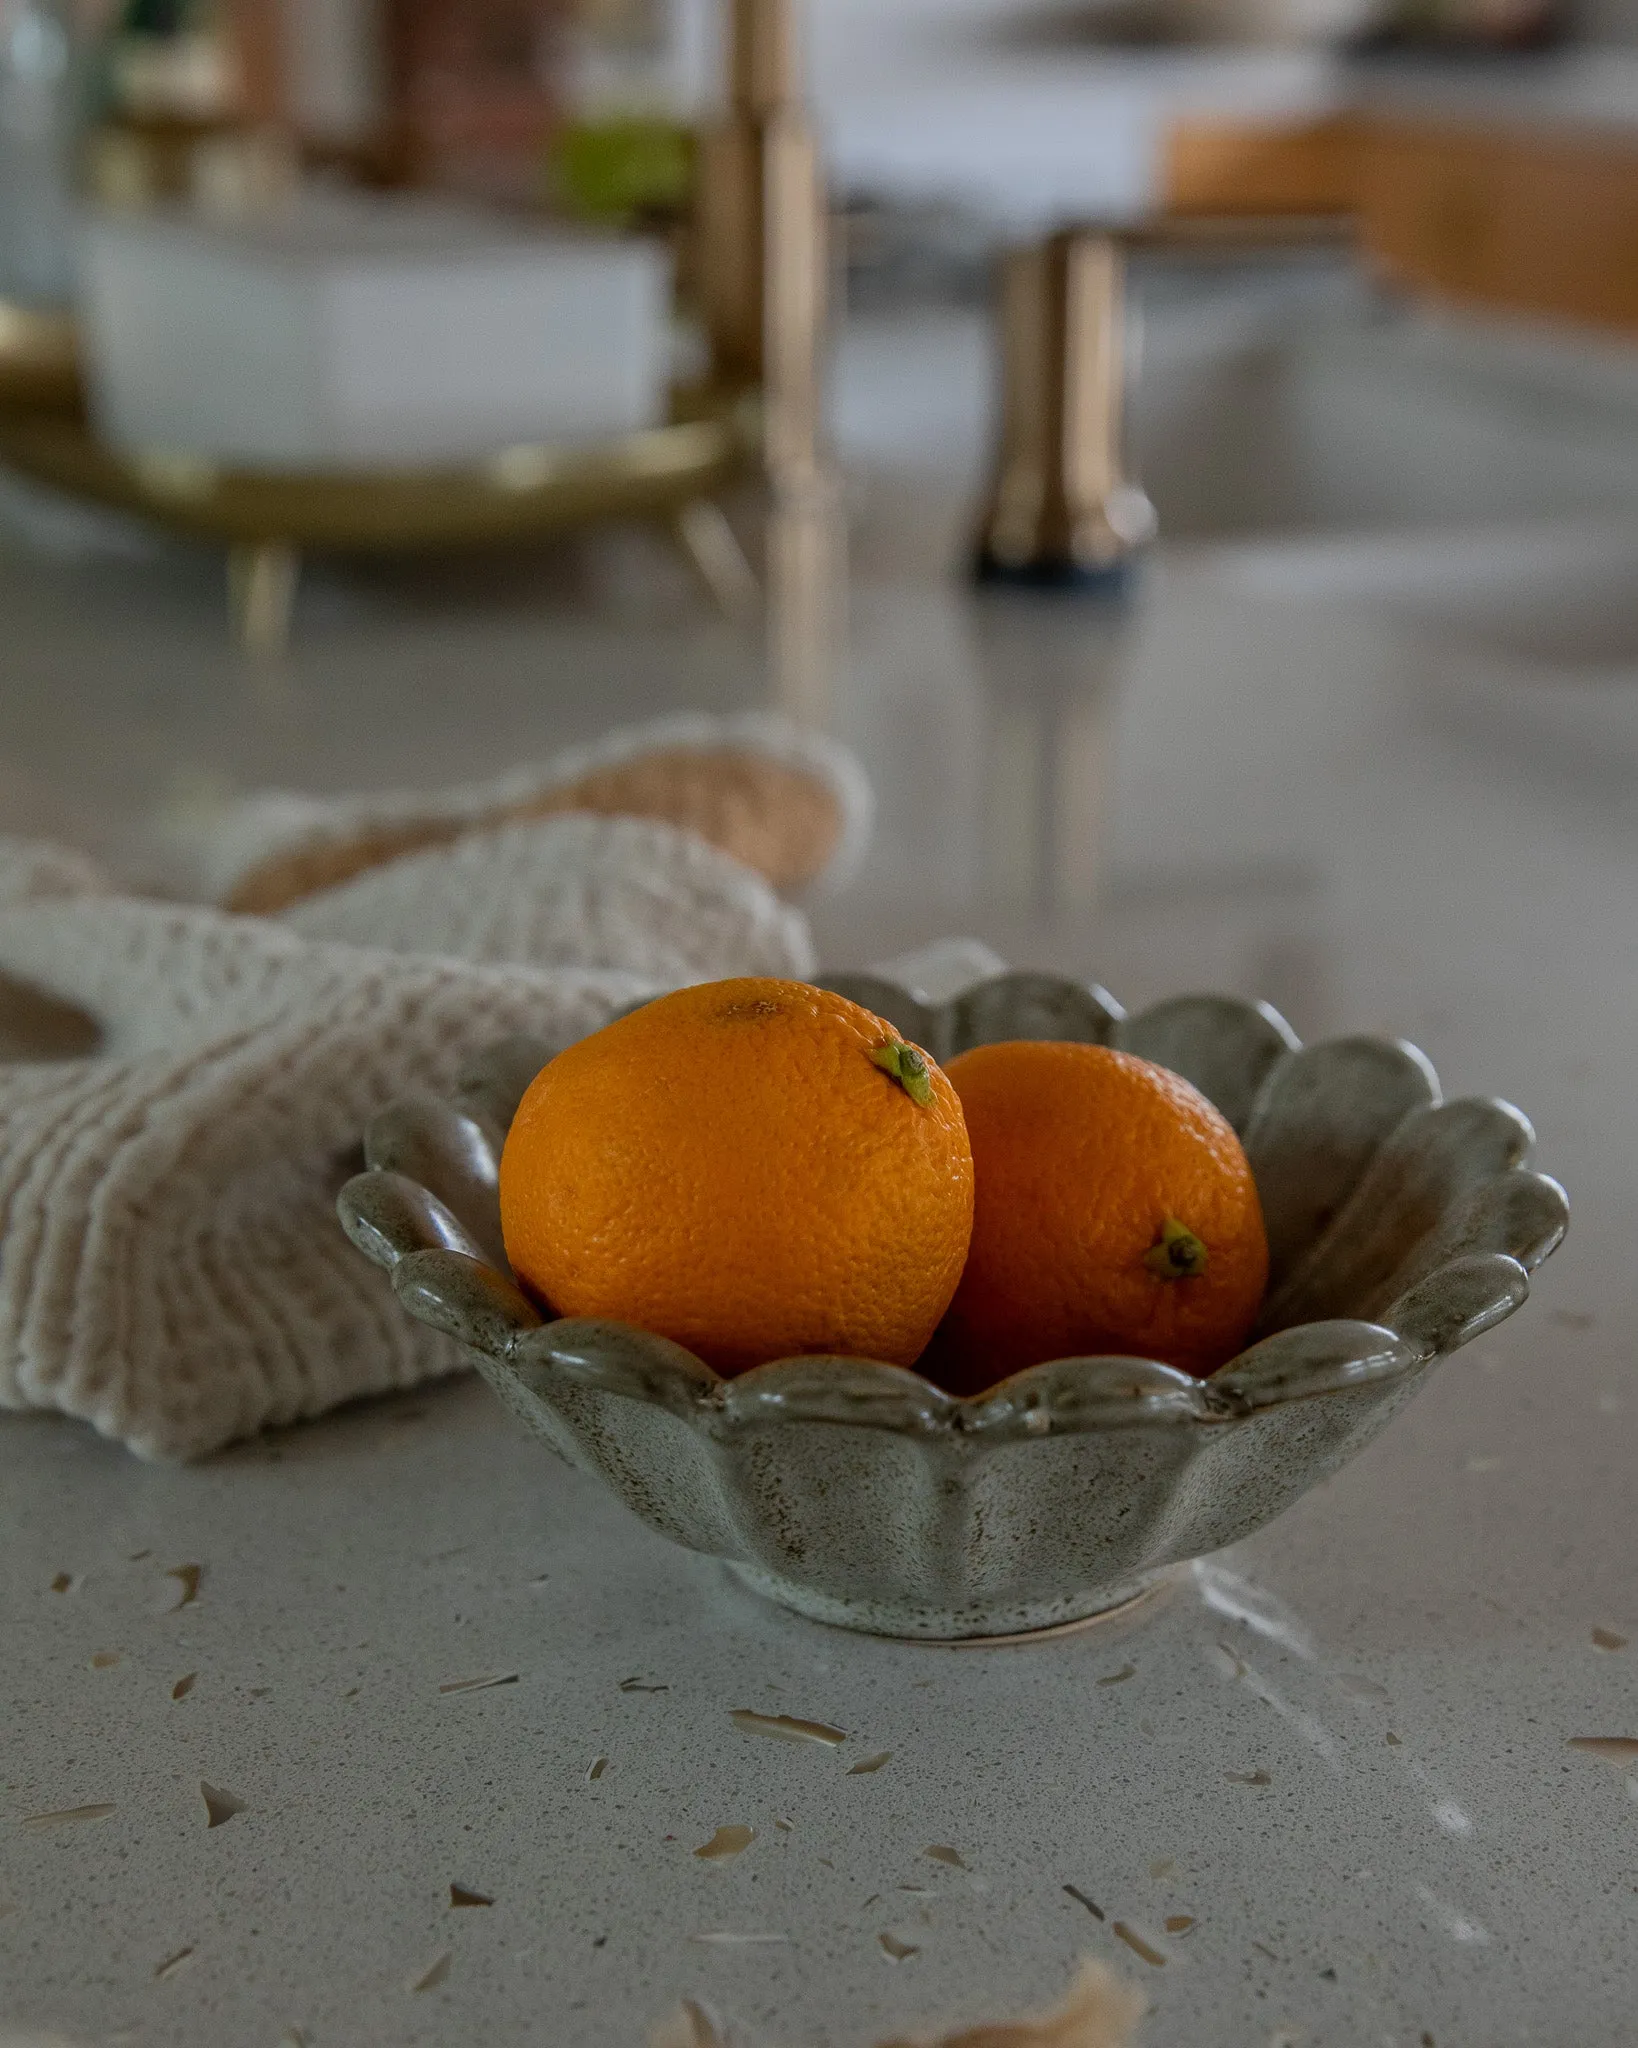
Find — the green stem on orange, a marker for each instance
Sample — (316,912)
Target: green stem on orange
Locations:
(909,1067)
(1178,1255)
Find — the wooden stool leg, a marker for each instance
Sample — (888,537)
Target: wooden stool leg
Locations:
(712,545)
(262,580)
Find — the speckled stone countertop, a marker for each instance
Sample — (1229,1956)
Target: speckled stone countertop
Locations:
(465,1724)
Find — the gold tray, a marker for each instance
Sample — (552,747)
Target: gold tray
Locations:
(511,495)
(268,518)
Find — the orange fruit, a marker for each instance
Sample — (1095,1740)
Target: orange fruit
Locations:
(1115,1214)
(753,1168)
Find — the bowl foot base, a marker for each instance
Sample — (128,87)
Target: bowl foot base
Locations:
(972,1627)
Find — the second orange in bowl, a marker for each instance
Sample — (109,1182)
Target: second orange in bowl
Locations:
(1116,1215)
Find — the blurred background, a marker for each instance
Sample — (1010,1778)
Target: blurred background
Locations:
(1095,413)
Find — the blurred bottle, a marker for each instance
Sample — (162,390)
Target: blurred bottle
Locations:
(633,76)
(37,137)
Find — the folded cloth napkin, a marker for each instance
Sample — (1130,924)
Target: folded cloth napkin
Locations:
(572,891)
(170,1265)
(182,1090)
(790,804)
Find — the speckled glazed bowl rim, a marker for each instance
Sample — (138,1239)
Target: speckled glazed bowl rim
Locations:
(426,1211)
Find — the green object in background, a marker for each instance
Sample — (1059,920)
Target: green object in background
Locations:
(155,18)
(623,167)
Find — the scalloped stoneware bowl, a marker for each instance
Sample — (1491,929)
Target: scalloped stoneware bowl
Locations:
(1399,1227)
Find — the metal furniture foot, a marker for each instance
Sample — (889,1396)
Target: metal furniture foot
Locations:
(262,580)
(712,545)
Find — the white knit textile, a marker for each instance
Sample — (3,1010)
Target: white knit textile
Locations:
(170,1264)
(171,1268)
(221,850)
(572,891)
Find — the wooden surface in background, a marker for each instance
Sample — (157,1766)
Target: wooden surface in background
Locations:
(1251,167)
(1535,222)
(1530,220)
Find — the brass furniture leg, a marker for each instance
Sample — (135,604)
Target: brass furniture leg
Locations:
(762,279)
(807,541)
(760,208)
(262,579)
